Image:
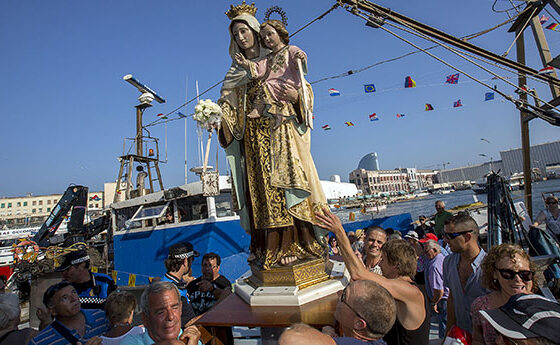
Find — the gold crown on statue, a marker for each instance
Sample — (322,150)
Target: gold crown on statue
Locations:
(239,9)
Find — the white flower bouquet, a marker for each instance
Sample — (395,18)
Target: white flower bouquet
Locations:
(208,114)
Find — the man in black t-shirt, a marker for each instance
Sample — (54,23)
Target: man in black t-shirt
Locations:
(205,291)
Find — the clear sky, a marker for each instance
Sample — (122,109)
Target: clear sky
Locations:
(65,108)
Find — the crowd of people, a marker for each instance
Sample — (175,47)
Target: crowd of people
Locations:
(440,273)
(398,286)
(86,308)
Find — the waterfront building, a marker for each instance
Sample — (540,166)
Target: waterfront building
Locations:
(391,181)
(543,157)
(33,210)
(335,189)
(369,162)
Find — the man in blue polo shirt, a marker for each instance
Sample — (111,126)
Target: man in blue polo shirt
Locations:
(71,323)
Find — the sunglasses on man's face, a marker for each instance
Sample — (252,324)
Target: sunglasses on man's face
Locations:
(510,274)
(454,235)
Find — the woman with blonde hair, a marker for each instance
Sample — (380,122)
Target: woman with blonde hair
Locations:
(507,270)
(119,308)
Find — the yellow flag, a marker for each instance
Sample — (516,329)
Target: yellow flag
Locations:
(132,279)
(94,269)
(114,275)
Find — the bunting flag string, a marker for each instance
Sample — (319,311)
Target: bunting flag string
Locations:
(373,117)
(349,124)
(457,104)
(488,96)
(130,278)
(552,27)
(162,116)
(326,127)
(544,19)
(428,107)
(400,116)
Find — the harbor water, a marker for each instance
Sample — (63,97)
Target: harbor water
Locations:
(425,205)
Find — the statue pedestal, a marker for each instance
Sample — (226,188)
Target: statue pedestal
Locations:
(292,286)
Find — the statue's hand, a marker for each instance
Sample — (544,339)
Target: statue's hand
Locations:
(300,55)
(241,60)
(288,93)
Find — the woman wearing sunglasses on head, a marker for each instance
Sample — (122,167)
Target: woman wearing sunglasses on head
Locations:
(550,216)
(507,270)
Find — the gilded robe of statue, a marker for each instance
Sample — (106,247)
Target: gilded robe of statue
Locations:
(277,189)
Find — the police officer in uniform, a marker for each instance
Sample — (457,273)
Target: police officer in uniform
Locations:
(93,288)
(177,264)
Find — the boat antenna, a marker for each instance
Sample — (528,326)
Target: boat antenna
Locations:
(186,99)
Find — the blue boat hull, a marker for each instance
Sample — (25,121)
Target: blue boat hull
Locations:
(143,252)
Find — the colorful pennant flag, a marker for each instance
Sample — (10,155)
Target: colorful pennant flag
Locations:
(334,92)
(369,88)
(457,104)
(408,82)
(94,269)
(521,90)
(95,198)
(543,19)
(546,70)
(326,127)
(552,26)
(349,124)
(488,96)
(400,115)
(428,107)
(181,115)
(373,117)
(162,116)
(452,79)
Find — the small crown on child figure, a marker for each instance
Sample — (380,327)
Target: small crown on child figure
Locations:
(240,9)
(276,9)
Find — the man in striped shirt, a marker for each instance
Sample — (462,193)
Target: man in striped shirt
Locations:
(71,323)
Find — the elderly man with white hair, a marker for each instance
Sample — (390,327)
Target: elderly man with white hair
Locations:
(437,292)
(9,321)
(161,314)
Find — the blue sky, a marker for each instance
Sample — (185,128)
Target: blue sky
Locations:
(65,108)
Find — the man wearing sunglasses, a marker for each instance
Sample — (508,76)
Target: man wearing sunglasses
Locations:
(462,271)
(365,311)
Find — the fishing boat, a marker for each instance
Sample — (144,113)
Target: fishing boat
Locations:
(142,232)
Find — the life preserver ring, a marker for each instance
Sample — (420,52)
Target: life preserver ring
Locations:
(25,250)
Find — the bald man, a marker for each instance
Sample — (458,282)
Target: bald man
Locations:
(302,334)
